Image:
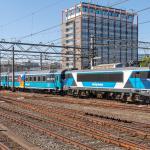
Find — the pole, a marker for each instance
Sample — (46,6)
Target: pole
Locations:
(41,64)
(74,49)
(137,38)
(13,70)
(91,55)
(0,70)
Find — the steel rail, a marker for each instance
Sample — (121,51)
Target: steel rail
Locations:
(78,114)
(75,111)
(94,133)
(99,104)
(97,134)
(48,132)
(3,147)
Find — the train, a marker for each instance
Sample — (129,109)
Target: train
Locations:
(125,84)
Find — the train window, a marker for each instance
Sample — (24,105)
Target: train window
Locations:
(56,77)
(34,79)
(100,77)
(68,76)
(10,78)
(39,79)
(27,78)
(52,76)
(48,77)
(16,78)
(44,78)
(144,75)
(30,78)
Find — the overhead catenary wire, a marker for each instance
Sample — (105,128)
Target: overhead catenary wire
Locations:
(118,3)
(44,30)
(41,31)
(106,18)
(50,28)
(144,9)
(30,14)
(145,22)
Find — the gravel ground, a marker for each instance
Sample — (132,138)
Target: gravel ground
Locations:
(71,134)
(48,143)
(116,113)
(40,140)
(9,143)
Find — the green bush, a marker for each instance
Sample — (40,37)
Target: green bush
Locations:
(145,62)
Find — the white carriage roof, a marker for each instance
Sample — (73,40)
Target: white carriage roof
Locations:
(116,69)
(43,72)
(33,72)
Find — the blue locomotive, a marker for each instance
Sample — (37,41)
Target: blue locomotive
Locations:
(119,83)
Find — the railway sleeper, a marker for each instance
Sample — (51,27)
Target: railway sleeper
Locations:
(118,138)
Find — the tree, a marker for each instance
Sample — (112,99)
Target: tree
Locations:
(145,62)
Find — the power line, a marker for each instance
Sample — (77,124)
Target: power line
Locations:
(30,14)
(144,9)
(41,31)
(145,22)
(139,11)
(118,3)
(50,28)
(57,39)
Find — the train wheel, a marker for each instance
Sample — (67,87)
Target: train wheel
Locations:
(99,95)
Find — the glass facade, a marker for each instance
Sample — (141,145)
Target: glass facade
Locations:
(115,33)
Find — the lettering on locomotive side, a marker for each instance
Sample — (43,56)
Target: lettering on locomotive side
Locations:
(97,84)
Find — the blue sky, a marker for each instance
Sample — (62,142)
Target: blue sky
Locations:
(50,15)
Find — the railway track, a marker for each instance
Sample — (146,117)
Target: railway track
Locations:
(94,103)
(8,144)
(86,116)
(90,131)
(3,147)
(47,132)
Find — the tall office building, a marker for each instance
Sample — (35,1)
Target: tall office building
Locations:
(114,33)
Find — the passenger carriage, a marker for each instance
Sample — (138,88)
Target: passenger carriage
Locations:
(44,80)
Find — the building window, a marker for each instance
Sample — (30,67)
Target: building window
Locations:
(67,58)
(67,64)
(69,41)
(85,9)
(78,9)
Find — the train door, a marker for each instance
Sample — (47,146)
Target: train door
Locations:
(57,82)
(6,81)
(137,80)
